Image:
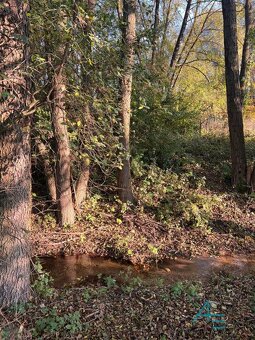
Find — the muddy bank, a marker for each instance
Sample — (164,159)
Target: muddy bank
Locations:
(142,240)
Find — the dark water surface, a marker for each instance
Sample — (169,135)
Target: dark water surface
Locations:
(83,269)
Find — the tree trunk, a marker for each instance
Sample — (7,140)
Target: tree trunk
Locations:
(128,38)
(187,48)
(48,170)
(234,106)
(246,47)
(166,24)
(15,172)
(155,32)
(82,182)
(63,161)
(181,35)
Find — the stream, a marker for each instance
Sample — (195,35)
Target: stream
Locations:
(83,269)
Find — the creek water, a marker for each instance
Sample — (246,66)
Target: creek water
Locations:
(83,269)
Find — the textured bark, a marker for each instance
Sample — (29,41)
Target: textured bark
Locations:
(246,47)
(234,106)
(48,169)
(129,38)
(15,173)
(155,32)
(63,162)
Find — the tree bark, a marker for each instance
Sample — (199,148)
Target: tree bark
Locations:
(234,106)
(155,32)
(15,172)
(246,47)
(128,39)
(63,162)
(48,169)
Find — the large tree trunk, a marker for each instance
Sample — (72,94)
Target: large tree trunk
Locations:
(63,160)
(246,47)
(15,173)
(234,106)
(128,37)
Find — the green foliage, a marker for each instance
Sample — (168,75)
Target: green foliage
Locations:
(43,282)
(153,249)
(131,284)
(4,334)
(188,288)
(158,124)
(192,290)
(110,281)
(19,308)
(175,197)
(177,289)
(86,294)
(54,323)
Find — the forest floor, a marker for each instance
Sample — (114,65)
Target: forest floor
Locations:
(133,308)
(137,311)
(139,237)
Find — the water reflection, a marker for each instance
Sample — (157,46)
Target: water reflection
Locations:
(73,270)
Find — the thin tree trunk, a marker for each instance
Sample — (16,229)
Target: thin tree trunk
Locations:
(83,180)
(234,106)
(63,161)
(246,47)
(155,32)
(129,38)
(176,73)
(15,172)
(166,26)
(48,169)
(181,35)
(82,184)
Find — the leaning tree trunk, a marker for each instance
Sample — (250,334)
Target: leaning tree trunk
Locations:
(179,40)
(234,106)
(246,47)
(63,160)
(15,174)
(128,37)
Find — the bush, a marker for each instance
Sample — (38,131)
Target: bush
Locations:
(174,198)
(42,285)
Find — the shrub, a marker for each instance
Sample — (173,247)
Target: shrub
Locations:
(42,285)
(175,198)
